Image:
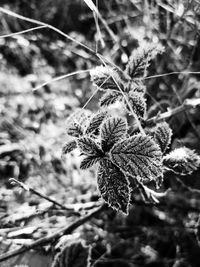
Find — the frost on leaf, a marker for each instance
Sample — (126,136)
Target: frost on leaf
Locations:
(76,122)
(136,86)
(162,135)
(89,162)
(137,103)
(75,254)
(113,186)
(110,97)
(138,156)
(105,77)
(95,122)
(140,60)
(75,130)
(69,147)
(182,161)
(112,130)
(89,147)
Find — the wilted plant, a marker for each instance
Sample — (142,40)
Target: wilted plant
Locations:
(123,155)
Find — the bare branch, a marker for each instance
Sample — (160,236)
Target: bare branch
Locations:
(52,238)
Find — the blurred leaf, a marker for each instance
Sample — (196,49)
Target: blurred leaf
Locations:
(182,161)
(75,130)
(69,147)
(73,255)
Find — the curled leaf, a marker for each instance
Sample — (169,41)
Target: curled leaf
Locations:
(113,186)
(75,130)
(136,86)
(112,130)
(110,97)
(138,156)
(69,147)
(89,147)
(105,77)
(95,122)
(182,161)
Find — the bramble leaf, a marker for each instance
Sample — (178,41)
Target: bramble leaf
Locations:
(138,156)
(110,97)
(95,122)
(69,147)
(113,186)
(162,135)
(75,130)
(103,78)
(89,162)
(136,86)
(89,147)
(182,161)
(140,60)
(138,104)
(75,254)
(112,130)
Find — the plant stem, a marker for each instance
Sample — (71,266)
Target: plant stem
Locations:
(187,104)
(53,237)
(27,188)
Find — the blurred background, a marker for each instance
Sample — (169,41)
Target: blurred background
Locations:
(33,128)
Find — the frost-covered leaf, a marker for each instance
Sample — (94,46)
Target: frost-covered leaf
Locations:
(110,97)
(113,186)
(140,60)
(138,156)
(95,122)
(89,162)
(75,254)
(162,135)
(182,161)
(75,130)
(112,130)
(76,122)
(69,147)
(138,104)
(136,86)
(103,78)
(89,147)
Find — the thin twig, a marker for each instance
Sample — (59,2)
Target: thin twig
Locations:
(21,32)
(13,14)
(53,237)
(30,189)
(61,77)
(187,104)
(171,73)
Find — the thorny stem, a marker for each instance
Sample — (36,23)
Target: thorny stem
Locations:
(187,104)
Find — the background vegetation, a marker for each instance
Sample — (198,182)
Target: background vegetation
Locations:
(32,130)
